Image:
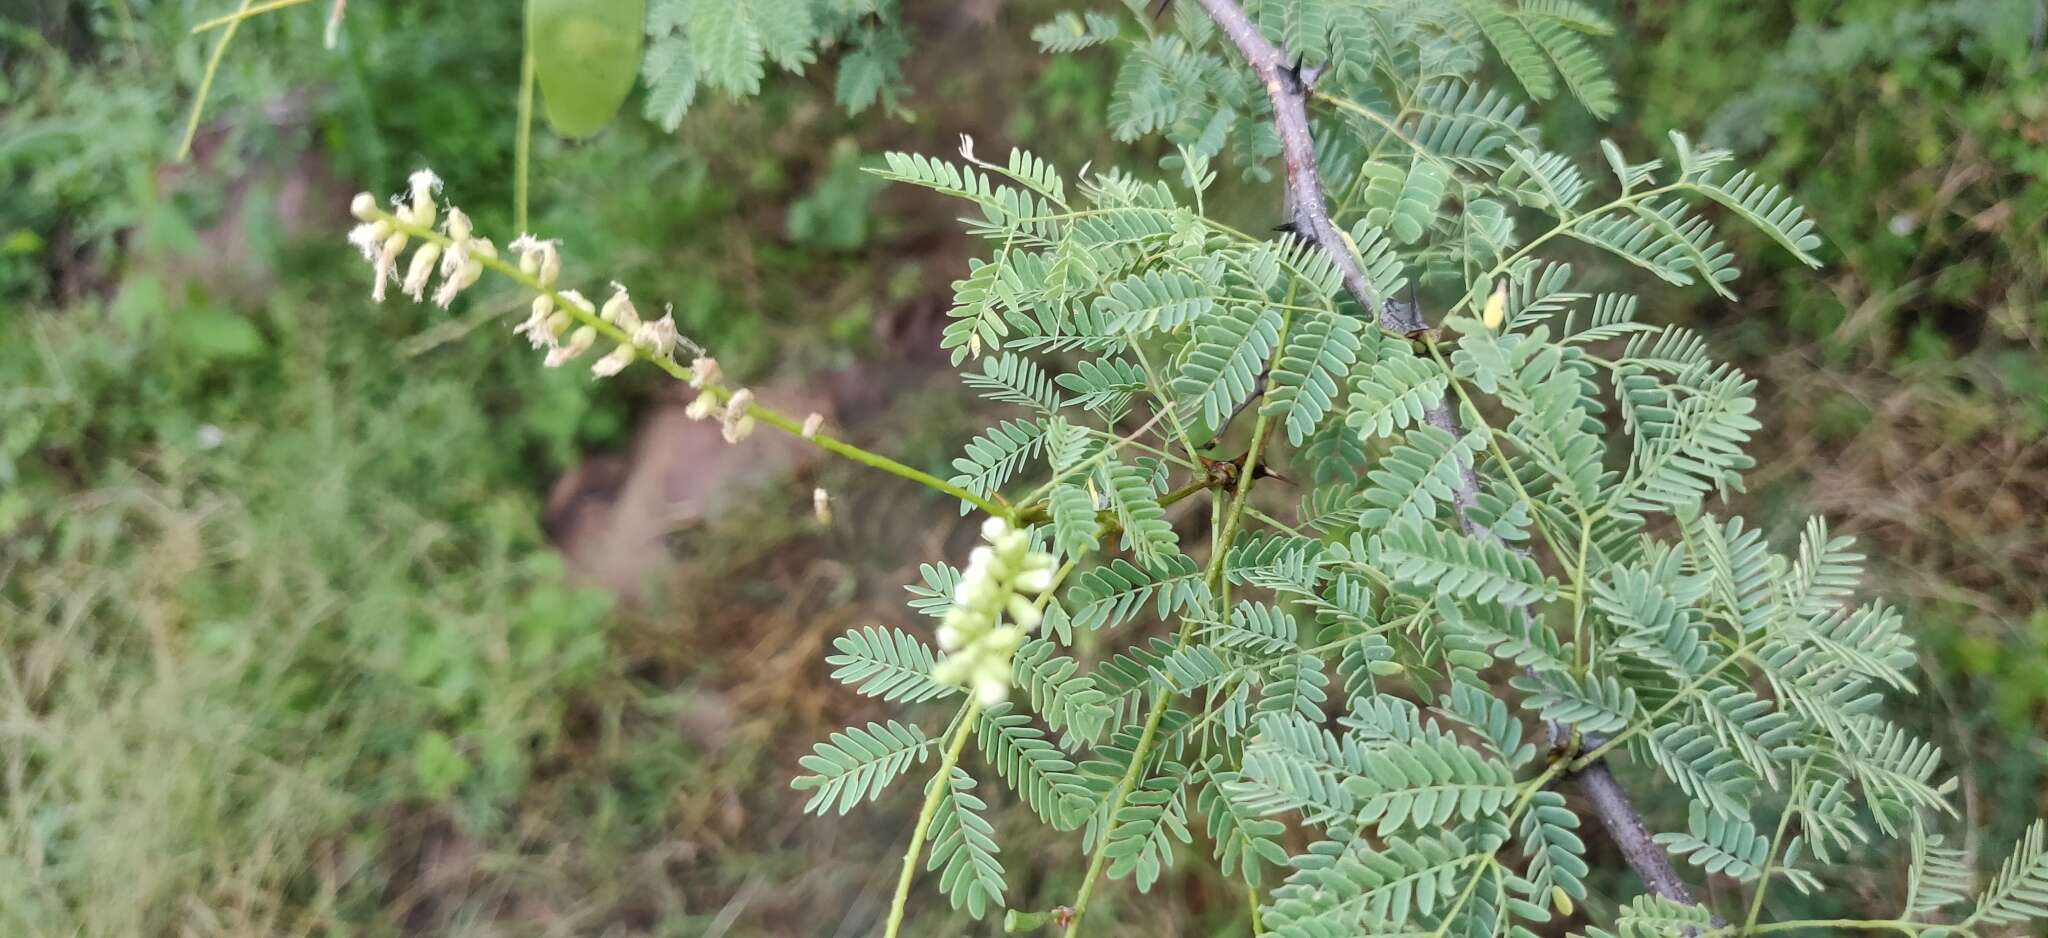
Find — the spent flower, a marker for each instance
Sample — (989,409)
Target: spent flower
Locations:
(738,424)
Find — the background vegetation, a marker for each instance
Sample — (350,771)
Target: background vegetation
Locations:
(287,644)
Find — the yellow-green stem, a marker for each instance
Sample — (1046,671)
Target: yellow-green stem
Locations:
(682,372)
(1763,882)
(247,11)
(522,146)
(220,51)
(941,780)
(1219,552)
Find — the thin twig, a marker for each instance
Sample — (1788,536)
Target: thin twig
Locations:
(522,143)
(244,13)
(942,782)
(220,51)
(1312,221)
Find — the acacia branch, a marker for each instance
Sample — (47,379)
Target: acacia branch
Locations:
(1284,86)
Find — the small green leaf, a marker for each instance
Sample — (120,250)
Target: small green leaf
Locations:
(586,54)
(212,333)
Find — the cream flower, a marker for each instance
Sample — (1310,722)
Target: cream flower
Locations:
(1000,577)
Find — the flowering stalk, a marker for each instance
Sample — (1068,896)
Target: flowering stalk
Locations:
(935,792)
(978,650)
(585,317)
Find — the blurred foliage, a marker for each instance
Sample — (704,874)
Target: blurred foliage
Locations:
(1915,131)
(1914,369)
(263,579)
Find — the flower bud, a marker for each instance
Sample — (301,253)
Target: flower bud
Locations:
(619,310)
(812,424)
(821,505)
(577,300)
(421,270)
(387,263)
(458,226)
(1496,307)
(579,342)
(613,363)
(363,207)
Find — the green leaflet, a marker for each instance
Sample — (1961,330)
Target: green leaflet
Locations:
(1404,200)
(1033,766)
(1225,359)
(886,663)
(1718,843)
(1458,565)
(856,763)
(1311,371)
(1394,393)
(1142,842)
(963,845)
(1147,534)
(1075,529)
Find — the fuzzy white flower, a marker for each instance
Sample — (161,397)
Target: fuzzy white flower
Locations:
(461,266)
(368,238)
(544,324)
(1001,578)
(538,258)
(423,184)
(577,300)
(706,405)
(658,337)
(386,263)
(705,371)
